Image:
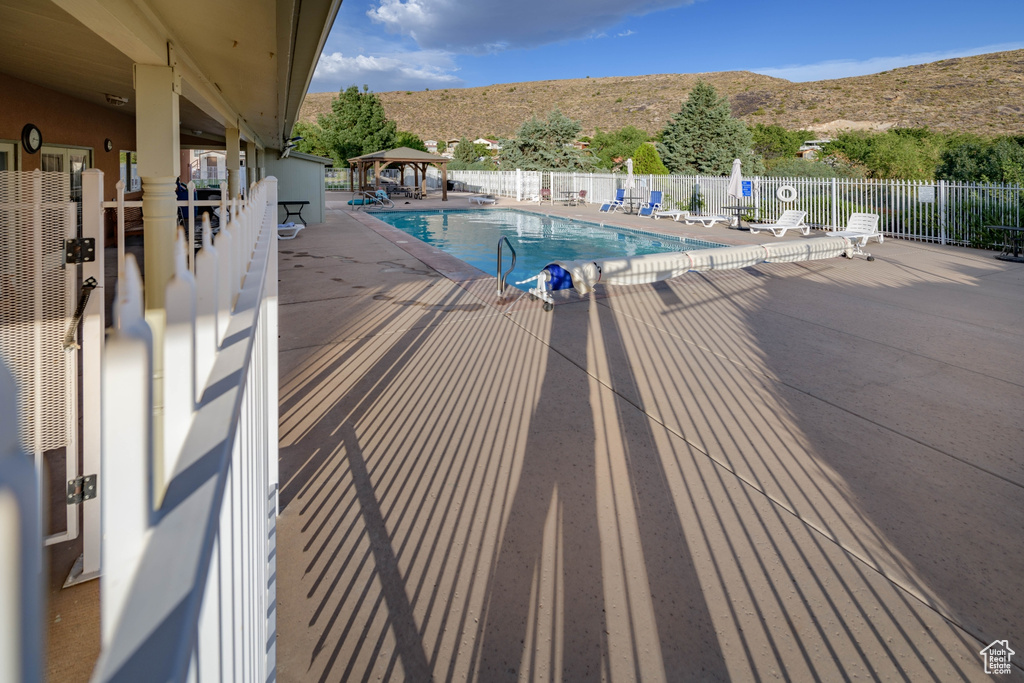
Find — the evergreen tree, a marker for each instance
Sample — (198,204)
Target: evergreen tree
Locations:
(465,152)
(704,138)
(999,161)
(646,161)
(356,125)
(312,141)
(545,145)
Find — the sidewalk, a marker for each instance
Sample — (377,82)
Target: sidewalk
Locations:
(809,471)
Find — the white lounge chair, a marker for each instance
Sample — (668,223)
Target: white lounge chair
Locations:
(288,231)
(691,218)
(789,220)
(861,227)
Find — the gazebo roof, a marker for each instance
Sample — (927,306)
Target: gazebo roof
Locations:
(400,154)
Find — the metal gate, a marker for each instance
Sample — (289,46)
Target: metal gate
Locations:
(37,298)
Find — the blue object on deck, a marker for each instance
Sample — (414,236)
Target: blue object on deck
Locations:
(560,277)
(360,201)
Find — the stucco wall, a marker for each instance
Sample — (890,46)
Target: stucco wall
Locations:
(65,122)
(299,177)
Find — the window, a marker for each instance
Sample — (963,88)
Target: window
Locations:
(8,161)
(130,171)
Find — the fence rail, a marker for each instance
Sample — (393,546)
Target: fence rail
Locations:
(945,212)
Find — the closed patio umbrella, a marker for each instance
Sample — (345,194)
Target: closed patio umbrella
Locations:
(629,175)
(736,180)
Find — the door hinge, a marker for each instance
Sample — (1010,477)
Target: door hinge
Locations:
(80,250)
(81,489)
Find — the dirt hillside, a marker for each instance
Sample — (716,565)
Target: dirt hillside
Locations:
(980,94)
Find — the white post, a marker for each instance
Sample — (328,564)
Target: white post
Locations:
(179,348)
(233,160)
(127,447)
(941,208)
(835,203)
(207,281)
(93,330)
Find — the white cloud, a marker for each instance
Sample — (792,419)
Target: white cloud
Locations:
(487,26)
(843,68)
(383,73)
(627,32)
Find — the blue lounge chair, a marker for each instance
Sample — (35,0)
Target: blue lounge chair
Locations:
(616,203)
(653,204)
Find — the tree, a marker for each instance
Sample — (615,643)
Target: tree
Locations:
(545,145)
(356,125)
(613,147)
(1000,161)
(410,140)
(465,152)
(774,142)
(647,161)
(704,138)
(783,167)
(312,141)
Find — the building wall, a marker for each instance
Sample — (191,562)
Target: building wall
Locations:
(299,179)
(65,122)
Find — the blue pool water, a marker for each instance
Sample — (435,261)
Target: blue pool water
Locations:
(538,240)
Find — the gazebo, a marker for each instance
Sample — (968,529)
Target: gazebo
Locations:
(399,158)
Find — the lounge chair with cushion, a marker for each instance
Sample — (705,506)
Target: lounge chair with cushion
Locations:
(653,204)
(613,204)
(789,220)
(860,227)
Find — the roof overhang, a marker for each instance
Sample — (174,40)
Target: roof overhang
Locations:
(243,64)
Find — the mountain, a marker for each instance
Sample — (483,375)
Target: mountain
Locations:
(981,94)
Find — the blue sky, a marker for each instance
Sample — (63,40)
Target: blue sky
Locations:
(417,44)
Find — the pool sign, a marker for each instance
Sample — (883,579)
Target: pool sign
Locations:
(748,188)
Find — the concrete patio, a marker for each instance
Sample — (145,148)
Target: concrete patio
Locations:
(799,471)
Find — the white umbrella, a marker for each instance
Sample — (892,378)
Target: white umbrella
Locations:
(629,175)
(736,181)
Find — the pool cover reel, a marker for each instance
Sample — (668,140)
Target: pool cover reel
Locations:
(638,270)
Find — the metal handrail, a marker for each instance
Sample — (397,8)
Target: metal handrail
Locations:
(503,277)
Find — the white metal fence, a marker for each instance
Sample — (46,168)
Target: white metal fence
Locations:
(933,211)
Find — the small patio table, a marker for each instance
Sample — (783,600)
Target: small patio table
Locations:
(568,196)
(1011,251)
(289,212)
(740,210)
(631,200)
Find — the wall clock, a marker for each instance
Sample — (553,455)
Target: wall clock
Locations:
(108,145)
(31,138)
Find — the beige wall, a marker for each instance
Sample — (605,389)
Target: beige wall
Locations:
(299,179)
(65,122)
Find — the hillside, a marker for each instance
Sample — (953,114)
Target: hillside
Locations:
(980,94)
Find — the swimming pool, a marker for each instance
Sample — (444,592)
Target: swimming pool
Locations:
(472,235)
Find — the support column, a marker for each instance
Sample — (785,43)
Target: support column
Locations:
(233,161)
(157,134)
(157,141)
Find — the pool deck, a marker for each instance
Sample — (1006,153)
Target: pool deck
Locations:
(800,471)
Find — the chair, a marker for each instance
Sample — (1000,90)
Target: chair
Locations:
(288,231)
(653,204)
(862,227)
(580,198)
(545,195)
(612,204)
(789,220)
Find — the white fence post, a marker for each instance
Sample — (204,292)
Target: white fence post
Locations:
(22,601)
(180,349)
(941,209)
(208,329)
(835,203)
(127,446)
(93,331)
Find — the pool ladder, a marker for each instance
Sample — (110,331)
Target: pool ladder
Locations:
(503,277)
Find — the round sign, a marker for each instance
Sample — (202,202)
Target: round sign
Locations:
(786,193)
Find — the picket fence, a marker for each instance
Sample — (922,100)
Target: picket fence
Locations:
(944,212)
(189,510)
